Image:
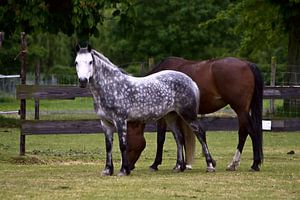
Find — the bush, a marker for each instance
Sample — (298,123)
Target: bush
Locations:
(64,74)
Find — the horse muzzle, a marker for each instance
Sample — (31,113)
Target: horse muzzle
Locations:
(83,82)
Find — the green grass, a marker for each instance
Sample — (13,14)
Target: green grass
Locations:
(78,108)
(69,167)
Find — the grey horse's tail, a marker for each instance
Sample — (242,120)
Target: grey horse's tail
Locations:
(189,136)
(189,143)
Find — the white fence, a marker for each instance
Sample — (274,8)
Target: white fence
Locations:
(8,83)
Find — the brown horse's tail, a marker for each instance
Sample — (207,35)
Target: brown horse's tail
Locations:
(256,106)
(189,143)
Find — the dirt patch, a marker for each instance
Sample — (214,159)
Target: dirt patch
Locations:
(27,160)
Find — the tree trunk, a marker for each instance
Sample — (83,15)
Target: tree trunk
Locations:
(293,69)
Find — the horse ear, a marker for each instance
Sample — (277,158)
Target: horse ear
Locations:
(77,47)
(89,48)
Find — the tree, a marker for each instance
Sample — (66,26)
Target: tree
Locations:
(258,26)
(271,26)
(45,19)
(69,16)
(290,11)
(167,28)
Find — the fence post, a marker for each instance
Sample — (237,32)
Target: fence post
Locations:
(1,38)
(37,82)
(272,83)
(142,69)
(150,63)
(23,82)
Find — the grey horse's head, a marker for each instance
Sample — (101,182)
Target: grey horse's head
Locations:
(84,64)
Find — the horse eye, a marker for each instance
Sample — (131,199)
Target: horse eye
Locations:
(91,62)
(75,63)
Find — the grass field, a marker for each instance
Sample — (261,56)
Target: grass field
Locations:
(69,167)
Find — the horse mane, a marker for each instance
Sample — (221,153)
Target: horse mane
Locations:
(226,59)
(106,61)
(103,58)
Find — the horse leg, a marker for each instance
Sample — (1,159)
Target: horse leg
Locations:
(122,133)
(246,127)
(237,156)
(171,120)
(201,136)
(109,167)
(256,144)
(161,136)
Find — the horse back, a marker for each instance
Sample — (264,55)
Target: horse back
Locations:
(221,81)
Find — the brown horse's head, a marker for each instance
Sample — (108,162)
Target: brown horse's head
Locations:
(136,142)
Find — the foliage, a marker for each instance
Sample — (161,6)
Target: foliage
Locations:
(259,29)
(47,24)
(47,49)
(70,16)
(134,30)
(166,28)
(64,74)
(9,62)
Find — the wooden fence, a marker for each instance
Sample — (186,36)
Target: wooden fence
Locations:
(37,92)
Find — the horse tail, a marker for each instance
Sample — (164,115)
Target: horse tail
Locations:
(256,106)
(189,143)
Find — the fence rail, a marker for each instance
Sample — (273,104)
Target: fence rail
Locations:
(71,92)
(281,92)
(42,127)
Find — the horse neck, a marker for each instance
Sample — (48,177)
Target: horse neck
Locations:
(105,71)
(168,63)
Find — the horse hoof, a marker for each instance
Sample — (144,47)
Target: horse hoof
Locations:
(151,169)
(210,169)
(106,172)
(189,167)
(254,169)
(177,170)
(122,174)
(231,168)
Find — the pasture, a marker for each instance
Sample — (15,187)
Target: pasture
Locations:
(69,167)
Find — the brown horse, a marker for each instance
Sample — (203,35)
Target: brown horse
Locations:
(221,81)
